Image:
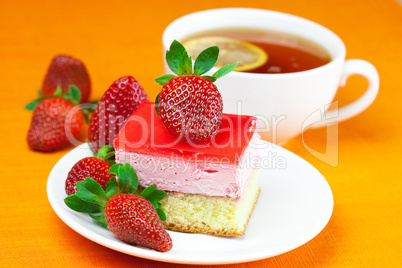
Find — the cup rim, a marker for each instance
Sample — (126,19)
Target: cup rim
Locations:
(334,60)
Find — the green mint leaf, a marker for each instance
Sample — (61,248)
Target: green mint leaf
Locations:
(224,70)
(157,104)
(164,79)
(79,205)
(115,169)
(161,214)
(101,219)
(32,105)
(206,60)
(156,195)
(210,78)
(111,187)
(75,94)
(174,56)
(40,93)
(147,191)
(186,64)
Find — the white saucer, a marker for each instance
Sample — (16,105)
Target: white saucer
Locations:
(294,206)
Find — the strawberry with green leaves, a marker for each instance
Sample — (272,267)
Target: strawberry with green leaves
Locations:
(96,167)
(135,219)
(189,104)
(65,71)
(55,119)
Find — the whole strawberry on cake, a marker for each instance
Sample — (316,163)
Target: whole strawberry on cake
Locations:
(186,146)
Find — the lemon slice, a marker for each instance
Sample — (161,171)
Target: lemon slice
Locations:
(247,55)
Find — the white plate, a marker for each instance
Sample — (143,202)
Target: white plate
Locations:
(294,206)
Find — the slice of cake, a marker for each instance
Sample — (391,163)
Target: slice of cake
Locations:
(212,188)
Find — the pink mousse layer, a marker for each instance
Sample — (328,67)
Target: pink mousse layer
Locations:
(204,177)
(219,168)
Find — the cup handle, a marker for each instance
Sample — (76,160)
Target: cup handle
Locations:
(366,69)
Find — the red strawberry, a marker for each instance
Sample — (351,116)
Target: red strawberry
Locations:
(55,121)
(97,167)
(189,104)
(114,108)
(65,71)
(134,220)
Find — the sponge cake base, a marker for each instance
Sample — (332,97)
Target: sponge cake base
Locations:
(194,213)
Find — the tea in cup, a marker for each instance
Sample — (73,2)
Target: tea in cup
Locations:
(292,89)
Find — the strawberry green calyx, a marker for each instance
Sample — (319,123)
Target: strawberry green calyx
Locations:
(106,153)
(73,96)
(181,64)
(92,199)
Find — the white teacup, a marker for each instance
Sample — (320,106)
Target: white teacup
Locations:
(285,104)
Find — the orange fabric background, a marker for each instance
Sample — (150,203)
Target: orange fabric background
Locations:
(117,38)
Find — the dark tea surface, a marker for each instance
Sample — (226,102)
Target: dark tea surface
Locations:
(286,53)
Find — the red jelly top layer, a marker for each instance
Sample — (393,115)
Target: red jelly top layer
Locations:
(145,133)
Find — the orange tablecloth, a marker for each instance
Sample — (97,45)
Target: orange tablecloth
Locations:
(118,38)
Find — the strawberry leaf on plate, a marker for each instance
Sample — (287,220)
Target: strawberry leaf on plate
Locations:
(79,205)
